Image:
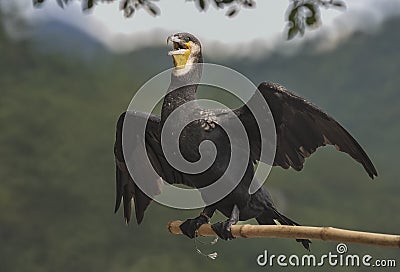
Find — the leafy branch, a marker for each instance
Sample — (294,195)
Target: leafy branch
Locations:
(303,14)
(300,14)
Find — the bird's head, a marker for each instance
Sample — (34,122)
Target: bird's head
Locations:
(186,50)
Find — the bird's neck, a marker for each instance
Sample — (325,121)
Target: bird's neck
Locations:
(181,90)
(176,98)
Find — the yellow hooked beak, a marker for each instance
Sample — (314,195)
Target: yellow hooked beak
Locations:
(180,53)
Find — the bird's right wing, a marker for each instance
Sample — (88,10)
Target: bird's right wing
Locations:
(126,188)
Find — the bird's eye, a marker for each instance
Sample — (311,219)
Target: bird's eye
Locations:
(187,39)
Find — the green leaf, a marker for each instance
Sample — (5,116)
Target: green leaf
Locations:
(311,8)
(153,9)
(232,12)
(339,3)
(37,3)
(60,3)
(123,4)
(311,20)
(90,4)
(302,29)
(292,15)
(129,11)
(249,3)
(292,32)
(202,4)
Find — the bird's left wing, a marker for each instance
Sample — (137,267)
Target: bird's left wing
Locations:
(126,188)
(300,128)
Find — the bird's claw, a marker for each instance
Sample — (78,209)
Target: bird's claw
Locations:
(223,230)
(190,226)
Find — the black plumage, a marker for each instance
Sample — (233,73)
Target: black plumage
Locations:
(300,129)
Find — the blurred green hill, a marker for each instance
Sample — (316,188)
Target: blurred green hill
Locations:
(57,117)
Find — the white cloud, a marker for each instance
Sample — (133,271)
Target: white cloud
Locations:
(262,26)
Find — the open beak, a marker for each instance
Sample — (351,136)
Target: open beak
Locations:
(180,51)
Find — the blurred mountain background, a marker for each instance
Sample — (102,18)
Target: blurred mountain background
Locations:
(61,93)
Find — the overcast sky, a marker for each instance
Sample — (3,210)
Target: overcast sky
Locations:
(264,23)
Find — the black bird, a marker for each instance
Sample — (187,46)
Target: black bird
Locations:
(300,127)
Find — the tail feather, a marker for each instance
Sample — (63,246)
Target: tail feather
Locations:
(272,216)
(126,191)
(118,196)
(127,200)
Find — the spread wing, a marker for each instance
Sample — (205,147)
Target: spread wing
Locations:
(126,188)
(301,128)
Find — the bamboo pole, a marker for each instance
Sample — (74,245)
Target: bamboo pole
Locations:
(300,232)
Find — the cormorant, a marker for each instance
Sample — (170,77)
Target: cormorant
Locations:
(300,128)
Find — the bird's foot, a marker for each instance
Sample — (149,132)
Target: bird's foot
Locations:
(223,230)
(190,226)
